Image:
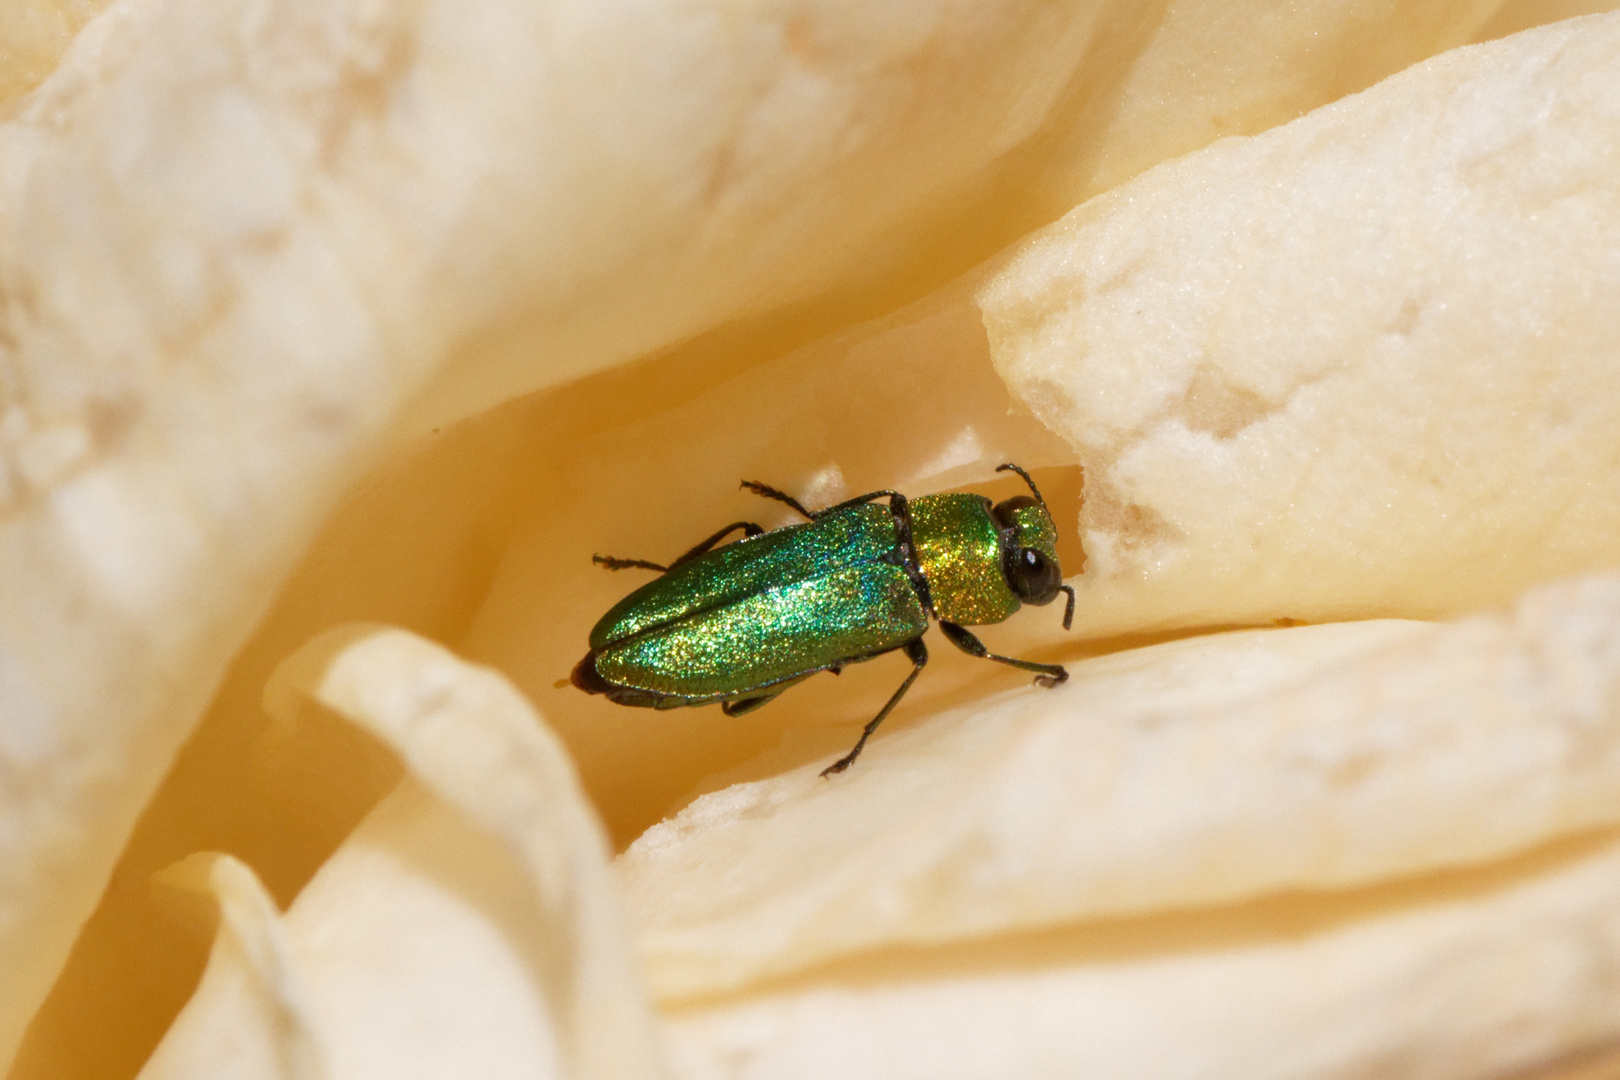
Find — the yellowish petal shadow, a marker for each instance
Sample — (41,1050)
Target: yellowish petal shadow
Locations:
(469,925)
(905,401)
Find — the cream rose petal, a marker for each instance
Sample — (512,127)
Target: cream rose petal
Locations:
(33,36)
(406,958)
(252,1016)
(1517,15)
(1459,978)
(468,927)
(242,246)
(1314,508)
(1186,774)
(1235,68)
(1363,363)
(239,240)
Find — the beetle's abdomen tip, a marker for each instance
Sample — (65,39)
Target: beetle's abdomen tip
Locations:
(586,678)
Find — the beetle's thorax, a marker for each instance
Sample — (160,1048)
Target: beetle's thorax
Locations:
(959,550)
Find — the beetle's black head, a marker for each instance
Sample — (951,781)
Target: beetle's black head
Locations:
(1029,548)
(1029,555)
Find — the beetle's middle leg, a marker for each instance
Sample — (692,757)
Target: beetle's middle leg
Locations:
(746,705)
(918,652)
(749,528)
(1048,675)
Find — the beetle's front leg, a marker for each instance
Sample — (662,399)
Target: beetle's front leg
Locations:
(768,492)
(1049,675)
(918,652)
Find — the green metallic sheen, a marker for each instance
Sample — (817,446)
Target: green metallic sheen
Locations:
(958,545)
(736,572)
(741,622)
(775,635)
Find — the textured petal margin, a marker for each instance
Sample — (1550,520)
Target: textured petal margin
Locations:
(1472,975)
(470,921)
(1202,772)
(1360,364)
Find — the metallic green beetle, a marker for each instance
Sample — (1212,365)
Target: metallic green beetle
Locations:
(739,624)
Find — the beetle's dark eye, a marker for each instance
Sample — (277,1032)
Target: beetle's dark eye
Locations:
(1034,578)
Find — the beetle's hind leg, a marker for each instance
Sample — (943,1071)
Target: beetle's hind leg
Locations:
(1048,675)
(766,695)
(746,705)
(749,528)
(918,652)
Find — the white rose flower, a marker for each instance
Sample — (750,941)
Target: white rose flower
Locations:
(335,338)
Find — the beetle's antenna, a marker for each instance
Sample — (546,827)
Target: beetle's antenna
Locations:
(1014,468)
(1068,611)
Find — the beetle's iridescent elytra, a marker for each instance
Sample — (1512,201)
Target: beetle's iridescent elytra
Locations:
(740,623)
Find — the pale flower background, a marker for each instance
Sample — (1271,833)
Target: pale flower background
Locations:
(335,337)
